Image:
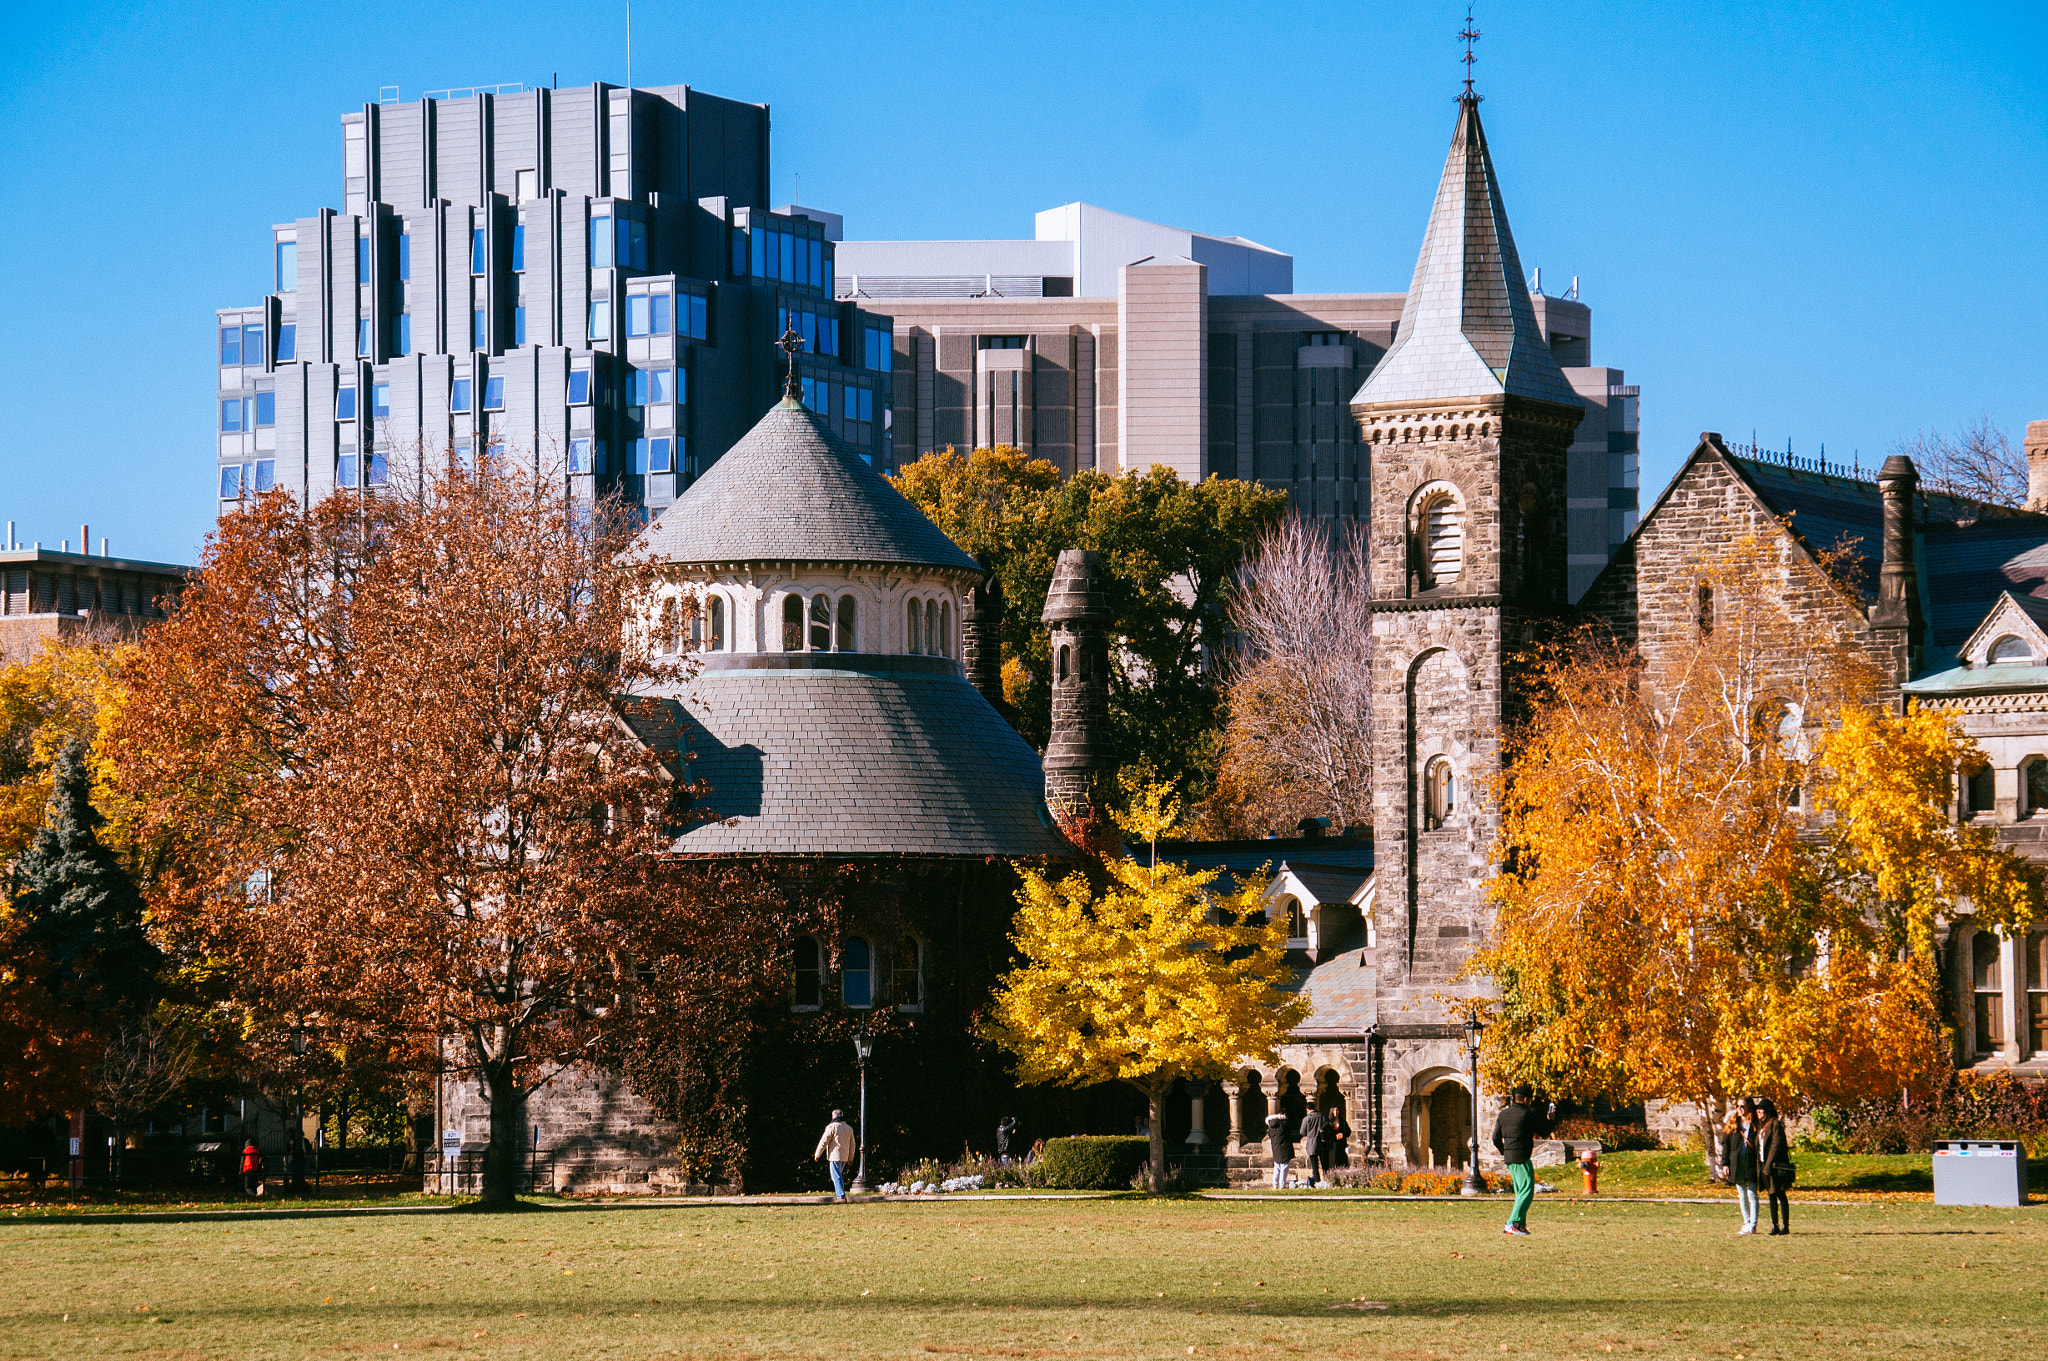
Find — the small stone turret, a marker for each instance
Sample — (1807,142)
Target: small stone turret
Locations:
(1897,611)
(981,634)
(2037,466)
(1079,759)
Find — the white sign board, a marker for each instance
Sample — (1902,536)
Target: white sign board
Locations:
(451,1142)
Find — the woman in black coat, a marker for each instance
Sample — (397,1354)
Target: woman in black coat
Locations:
(1774,1164)
(1738,1158)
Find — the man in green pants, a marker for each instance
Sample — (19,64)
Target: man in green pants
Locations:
(1515,1134)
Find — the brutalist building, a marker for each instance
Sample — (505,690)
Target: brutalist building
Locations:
(586,278)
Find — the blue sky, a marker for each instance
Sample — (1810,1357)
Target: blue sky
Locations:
(1821,222)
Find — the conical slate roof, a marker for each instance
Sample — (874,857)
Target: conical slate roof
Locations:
(792,491)
(1468,329)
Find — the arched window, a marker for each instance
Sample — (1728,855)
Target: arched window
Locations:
(668,626)
(717,611)
(907,988)
(913,635)
(821,623)
(945,628)
(2037,993)
(792,623)
(1297,923)
(857,973)
(2011,651)
(696,627)
(1980,792)
(1706,609)
(847,635)
(1442,527)
(1063,663)
(1987,978)
(2036,785)
(1439,793)
(931,627)
(806,977)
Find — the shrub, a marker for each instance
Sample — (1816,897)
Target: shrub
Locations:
(1611,1137)
(1386,1181)
(1087,1162)
(1432,1184)
(1964,1106)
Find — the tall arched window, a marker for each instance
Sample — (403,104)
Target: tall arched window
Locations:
(1706,609)
(671,627)
(907,988)
(2037,992)
(848,637)
(857,973)
(1297,922)
(1063,661)
(821,623)
(945,628)
(792,623)
(913,635)
(717,612)
(2035,783)
(696,626)
(1439,793)
(1987,978)
(1443,541)
(931,627)
(806,977)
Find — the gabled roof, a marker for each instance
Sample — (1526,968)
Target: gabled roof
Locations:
(1322,884)
(1468,328)
(792,491)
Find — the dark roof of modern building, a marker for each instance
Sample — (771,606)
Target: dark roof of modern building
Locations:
(793,491)
(51,557)
(1468,328)
(846,755)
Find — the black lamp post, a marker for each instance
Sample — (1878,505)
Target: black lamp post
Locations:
(298,1131)
(863,1049)
(1472,1033)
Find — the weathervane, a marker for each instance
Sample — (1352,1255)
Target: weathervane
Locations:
(1470,35)
(790,343)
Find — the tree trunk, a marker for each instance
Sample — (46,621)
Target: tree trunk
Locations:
(1157,1097)
(1711,1113)
(501,1155)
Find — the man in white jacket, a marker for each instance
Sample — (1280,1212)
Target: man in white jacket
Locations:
(838,1147)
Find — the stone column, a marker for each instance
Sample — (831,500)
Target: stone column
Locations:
(1198,1092)
(1234,1090)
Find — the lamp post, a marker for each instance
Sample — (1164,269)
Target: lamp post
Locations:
(863,1049)
(1472,1033)
(298,1132)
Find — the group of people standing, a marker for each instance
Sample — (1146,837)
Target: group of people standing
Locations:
(1321,1136)
(1757,1157)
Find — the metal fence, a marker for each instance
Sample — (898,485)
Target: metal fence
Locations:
(463,1174)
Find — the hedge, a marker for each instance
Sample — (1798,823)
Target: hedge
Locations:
(1088,1162)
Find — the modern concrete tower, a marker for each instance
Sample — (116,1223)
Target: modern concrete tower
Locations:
(1468,419)
(1079,759)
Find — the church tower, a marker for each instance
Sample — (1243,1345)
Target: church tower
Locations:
(1467,419)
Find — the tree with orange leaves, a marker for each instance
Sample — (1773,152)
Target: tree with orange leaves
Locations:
(1723,873)
(389,739)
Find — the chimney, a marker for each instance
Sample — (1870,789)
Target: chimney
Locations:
(1898,585)
(85,541)
(981,634)
(2037,466)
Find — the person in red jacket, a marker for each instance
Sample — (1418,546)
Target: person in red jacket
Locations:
(252,1166)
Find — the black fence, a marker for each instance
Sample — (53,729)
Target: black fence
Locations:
(463,1174)
(208,1165)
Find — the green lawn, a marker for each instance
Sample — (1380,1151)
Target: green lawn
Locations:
(1121,1278)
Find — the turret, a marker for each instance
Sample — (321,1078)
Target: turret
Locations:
(1898,583)
(981,634)
(1079,759)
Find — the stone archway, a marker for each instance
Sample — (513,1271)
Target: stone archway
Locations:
(1438,1119)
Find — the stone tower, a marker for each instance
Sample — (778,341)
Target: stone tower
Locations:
(1468,418)
(1079,758)
(981,633)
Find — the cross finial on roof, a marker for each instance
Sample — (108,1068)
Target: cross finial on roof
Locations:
(790,344)
(1471,36)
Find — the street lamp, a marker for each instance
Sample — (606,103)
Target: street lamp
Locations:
(1472,1033)
(863,1049)
(298,1133)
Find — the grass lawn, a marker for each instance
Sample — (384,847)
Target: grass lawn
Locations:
(1121,1278)
(17,1201)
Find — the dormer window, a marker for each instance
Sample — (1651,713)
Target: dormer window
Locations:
(2011,650)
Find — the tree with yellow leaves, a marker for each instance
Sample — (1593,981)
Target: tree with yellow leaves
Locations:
(1142,973)
(1722,873)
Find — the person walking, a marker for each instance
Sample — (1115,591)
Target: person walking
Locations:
(1774,1164)
(1738,1159)
(837,1147)
(1515,1134)
(1312,1146)
(252,1166)
(1005,1127)
(1280,1147)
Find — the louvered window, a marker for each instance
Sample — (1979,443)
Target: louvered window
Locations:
(1444,534)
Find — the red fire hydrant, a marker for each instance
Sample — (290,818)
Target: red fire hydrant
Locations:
(1589,1164)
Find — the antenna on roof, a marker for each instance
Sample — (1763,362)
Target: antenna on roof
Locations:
(1470,35)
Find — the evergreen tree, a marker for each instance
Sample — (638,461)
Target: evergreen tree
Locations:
(79,910)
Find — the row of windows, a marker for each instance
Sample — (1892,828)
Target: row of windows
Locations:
(766,253)
(706,630)
(858,401)
(247,479)
(244,345)
(661,454)
(659,314)
(820,330)
(928,627)
(1980,790)
(248,413)
(825,633)
(816,625)
(653,387)
(1987,984)
(860,975)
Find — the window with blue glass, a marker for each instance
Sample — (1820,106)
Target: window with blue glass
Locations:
(480,330)
(362,260)
(344,404)
(519,326)
(375,473)
(652,456)
(650,386)
(479,250)
(494,393)
(230,346)
(231,415)
(632,243)
(682,385)
(231,482)
(252,344)
(693,316)
(600,243)
(380,400)
(637,314)
(739,251)
(867,404)
(263,474)
(401,334)
(879,348)
(458,395)
(579,387)
(853,403)
(459,455)
(856,973)
(601,320)
(579,456)
(366,338)
(404,256)
(287,267)
(287,342)
(758,243)
(518,247)
(345,471)
(266,410)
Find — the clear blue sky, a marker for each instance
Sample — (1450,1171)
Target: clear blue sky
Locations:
(1826,222)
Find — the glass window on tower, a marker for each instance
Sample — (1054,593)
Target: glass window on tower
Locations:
(518,247)
(362,260)
(230,346)
(366,339)
(404,257)
(344,404)
(494,393)
(458,395)
(263,474)
(600,243)
(480,330)
(252,344)
(266,410)
(380,400)
(579,387)
(401,334)
(287,267)
(231,415)
(287,342)
(479,249)
(601,319)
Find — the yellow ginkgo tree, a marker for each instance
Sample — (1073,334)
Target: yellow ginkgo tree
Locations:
(1142,973)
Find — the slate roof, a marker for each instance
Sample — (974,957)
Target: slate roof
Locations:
(1343,994)
(1329,883)
(1965,569)
(1468,328)
(846,755)
(1238,859)
(791,490)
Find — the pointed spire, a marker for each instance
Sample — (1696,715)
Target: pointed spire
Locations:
(1468,328)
